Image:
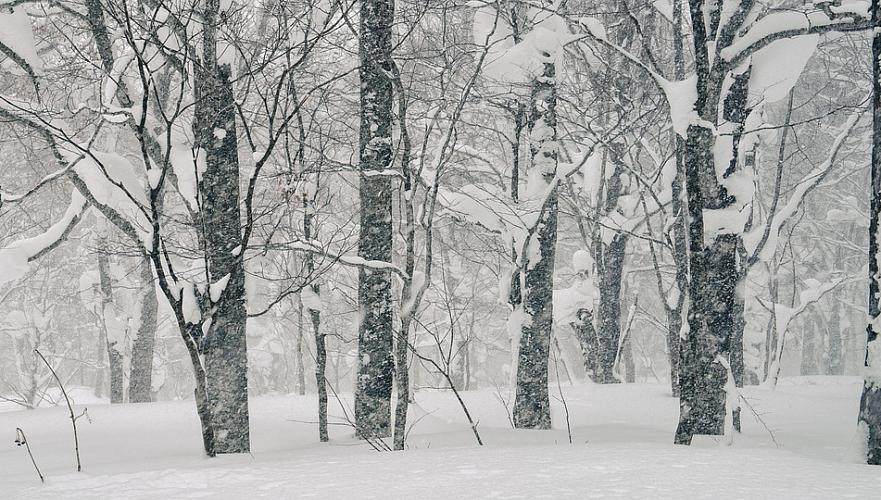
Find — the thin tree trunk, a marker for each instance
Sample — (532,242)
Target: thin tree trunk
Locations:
(320,343)
(301,369)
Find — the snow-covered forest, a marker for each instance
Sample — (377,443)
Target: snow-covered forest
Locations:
(440,248)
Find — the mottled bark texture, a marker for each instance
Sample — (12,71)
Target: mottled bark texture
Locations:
(141,376)
(532,404)
(111,323)
(375,333)
(713,265)
(870,402)
(224,346)
(610,265)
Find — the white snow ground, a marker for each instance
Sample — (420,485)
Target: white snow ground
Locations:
(621,449)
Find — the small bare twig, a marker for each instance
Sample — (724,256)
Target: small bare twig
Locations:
(562,399)
(20,439)
(375,442)
(504,402)
(759,418)
(73,418)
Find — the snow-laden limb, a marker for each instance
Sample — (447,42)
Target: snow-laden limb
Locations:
(761,242)
(681,95)
(15,258)
(784,315)
(115,184)
(17,40)
(18,197)
(790,23)
(777,67)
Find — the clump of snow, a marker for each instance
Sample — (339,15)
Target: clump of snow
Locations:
(681,96)
(777,67)
(14,258)
(17,34)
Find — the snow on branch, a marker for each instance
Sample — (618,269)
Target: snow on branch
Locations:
(15,258)
(761,242)
(17,40)
(777,25)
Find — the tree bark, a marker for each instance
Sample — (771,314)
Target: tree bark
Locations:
(111,323)
(375,333)
(611,270)
(141,377)
(315,317)
(870,402)
(532,401)
(224,345)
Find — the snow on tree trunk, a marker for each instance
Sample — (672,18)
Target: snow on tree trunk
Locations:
(714,265)
(870,402)
(532,404)
(375,333)
(224,345)
(141,375)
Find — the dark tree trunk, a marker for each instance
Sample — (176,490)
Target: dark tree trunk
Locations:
(587,338)
(870,402)
(834,355)
(320,345)
(714,265)
(375,333)
(301,369)
(141,377)
(114,354)
(224,346)
(532,402)
(611,270)
(809,348)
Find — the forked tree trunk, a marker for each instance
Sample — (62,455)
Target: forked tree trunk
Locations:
(532,401)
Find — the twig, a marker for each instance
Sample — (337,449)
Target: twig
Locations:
(73,418)
(561,398)
(20,439)
(759,419)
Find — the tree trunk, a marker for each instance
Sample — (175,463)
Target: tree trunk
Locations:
(320,345)
(301,369)
(532,402)
(714,265)
(224,346)
(611,269)
(141,377)
(111,327)
(834,355)
(809,348)
(375,333)
(870,402)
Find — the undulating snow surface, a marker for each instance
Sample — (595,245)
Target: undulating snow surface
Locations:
(621,449)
